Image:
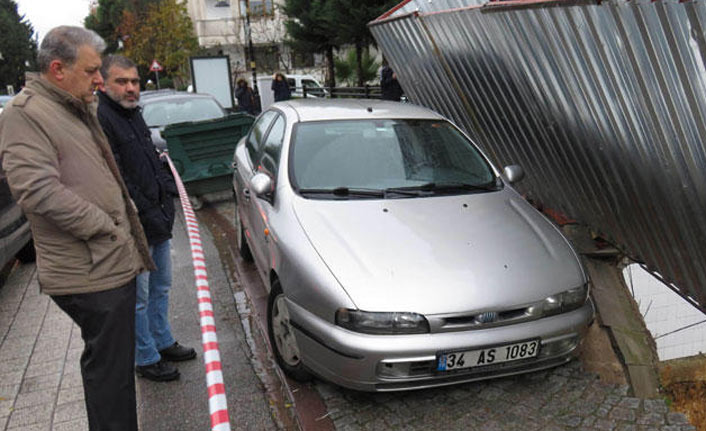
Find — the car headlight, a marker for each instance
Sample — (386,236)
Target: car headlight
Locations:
(565,301)
(381,323)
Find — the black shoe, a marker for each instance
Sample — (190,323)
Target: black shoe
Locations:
(161,371)
(176,352)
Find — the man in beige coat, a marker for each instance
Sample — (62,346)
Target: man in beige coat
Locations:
(89,241)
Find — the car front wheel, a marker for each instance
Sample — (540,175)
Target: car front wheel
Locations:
(242,243)
(282,339)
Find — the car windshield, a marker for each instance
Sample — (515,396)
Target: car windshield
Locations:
(177,110)
(386,158)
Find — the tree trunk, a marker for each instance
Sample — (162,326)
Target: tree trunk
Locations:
(330,72)
(359,62)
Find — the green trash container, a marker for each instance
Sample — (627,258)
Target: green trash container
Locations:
(202,151)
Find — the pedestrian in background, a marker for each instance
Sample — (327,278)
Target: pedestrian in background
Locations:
(89,241)
(389,86)
(280,87)
(153,190)
(245,97)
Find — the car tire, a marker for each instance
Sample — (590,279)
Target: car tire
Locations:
(282,339)
(241,242)
(27,254)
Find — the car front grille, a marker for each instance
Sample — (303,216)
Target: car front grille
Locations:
(483,319)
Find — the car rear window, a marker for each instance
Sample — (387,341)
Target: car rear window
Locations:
(179,110)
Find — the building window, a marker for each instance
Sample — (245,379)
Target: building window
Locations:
(217,9)
(261,8)
(267,57)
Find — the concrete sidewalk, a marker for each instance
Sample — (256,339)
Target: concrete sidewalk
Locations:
(40,380)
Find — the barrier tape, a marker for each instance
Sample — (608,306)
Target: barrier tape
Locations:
(218,406)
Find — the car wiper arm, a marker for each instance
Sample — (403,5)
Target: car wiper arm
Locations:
(433,187)
(346,191)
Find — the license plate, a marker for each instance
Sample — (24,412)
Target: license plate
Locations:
(493,355)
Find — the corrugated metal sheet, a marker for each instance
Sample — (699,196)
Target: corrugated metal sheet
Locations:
(426,6)
(604,105)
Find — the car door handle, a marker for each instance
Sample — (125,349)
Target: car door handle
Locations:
(246,193)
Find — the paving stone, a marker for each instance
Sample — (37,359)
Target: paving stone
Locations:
(604,424)
(69,395)
(656,406)
(630,403)
(32,427)
(588,422)
(570,421)
(35,398)
(623,414)
(650,418)
(48,355)
(36,368)
(6,406)
(72,380)
(70,411)
(9,391)
(75,425)
(33,384)
(17,364)
(12,378)
(612,400)
(674,418)
(22,418)
(626,427)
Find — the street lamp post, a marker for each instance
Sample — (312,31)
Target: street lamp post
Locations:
(245,6)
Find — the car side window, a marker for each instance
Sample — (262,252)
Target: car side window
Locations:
(255,139)
(273,147)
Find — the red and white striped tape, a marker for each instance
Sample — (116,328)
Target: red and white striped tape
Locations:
(218,406)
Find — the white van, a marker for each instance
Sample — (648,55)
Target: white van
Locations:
(313,88)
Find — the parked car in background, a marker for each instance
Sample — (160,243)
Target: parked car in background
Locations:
(300,82)
(3,100)
(163,107)
(15,234)
(296,84)
(396,255)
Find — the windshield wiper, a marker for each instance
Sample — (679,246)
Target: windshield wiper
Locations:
(345,192)
(443,187)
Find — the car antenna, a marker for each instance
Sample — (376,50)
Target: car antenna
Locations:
(370,109)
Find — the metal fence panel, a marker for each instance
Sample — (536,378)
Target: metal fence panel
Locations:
(603,105)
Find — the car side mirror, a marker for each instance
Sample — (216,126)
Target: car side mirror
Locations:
(262,185)
(513,173)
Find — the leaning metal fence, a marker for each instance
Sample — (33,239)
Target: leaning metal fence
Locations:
(603,103)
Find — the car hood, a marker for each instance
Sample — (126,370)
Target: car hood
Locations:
(443,254)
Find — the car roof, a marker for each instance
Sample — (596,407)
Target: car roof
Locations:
(356,109)
(172,94)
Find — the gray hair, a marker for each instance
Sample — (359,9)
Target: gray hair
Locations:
(116,60)
(63,42)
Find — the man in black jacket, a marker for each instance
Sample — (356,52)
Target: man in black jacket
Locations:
(152,188)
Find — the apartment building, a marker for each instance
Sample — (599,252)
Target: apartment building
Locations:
(221,28)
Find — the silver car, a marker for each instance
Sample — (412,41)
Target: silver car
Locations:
(396,255)
(164,107)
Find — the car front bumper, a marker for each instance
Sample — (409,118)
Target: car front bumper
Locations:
(401,362)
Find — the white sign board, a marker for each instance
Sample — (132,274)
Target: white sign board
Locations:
(211,75)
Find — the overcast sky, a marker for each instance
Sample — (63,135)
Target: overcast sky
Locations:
(47,14)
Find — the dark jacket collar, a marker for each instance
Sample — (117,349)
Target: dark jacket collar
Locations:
(115,106)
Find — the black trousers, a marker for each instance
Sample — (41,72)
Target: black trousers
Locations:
(107,322)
